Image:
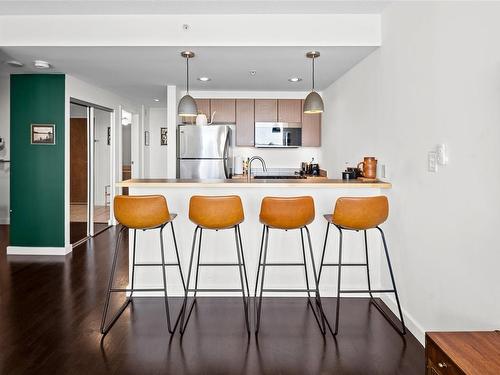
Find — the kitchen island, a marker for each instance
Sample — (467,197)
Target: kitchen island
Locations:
(283,246)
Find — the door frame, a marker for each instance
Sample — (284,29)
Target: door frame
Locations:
(90,165)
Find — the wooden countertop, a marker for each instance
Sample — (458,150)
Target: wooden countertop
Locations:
(255,183)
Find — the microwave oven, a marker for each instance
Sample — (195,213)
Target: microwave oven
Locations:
(278,134)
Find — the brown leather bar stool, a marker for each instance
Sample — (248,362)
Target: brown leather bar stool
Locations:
(216,213)
(287,213)
(141,213)
(360,214)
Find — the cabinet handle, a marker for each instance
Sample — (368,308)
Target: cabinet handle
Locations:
(442,365)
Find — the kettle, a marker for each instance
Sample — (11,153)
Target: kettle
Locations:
(201,119)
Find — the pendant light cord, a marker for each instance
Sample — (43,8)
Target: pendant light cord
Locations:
(187,75)
(313,75)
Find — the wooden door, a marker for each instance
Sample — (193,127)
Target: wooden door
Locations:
(245,122)
(290,110)
(266,110)
(225,110)
(311,129)
(78,160)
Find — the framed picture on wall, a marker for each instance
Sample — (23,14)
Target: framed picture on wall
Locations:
(43,134)
(164,136)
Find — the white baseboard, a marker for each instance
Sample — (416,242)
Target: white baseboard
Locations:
(32,250)
(411,323)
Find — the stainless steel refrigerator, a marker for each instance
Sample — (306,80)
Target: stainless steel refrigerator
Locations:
(204,152)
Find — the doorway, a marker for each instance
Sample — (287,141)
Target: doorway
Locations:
(90,170)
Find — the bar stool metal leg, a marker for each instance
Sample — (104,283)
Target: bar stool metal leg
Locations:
(105,328)
(258,270)
(323,253)
(316,280)
(163,265)
(244,267)
(263,264)
(241,268)
(368,267)
(184,305)
(337,310)
(403,327)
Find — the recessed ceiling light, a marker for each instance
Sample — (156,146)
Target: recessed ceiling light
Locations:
(295,79)
(156,99)
(204,79)
(14,63)
(40,64)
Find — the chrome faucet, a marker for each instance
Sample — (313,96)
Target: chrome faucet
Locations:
(264,168)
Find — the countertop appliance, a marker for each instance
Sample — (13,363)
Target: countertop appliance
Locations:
(278,134)
(204,152)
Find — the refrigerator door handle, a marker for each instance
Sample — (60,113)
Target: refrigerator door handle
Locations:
(226,157)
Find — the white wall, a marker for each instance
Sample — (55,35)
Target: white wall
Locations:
(434,80)
(204,30)
(5,153)
(157,118)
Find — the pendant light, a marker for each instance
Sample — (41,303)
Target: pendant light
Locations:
(313,102)
(187,105)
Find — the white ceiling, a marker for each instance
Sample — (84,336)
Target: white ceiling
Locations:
(141,73)
(14,7)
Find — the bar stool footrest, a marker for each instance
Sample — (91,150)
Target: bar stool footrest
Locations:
(156,264)
(206,290)
(289,290)
(369,291)
(345,265)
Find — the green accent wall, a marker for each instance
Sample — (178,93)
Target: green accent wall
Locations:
(37,171)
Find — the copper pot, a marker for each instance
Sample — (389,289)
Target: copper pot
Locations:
(369,167)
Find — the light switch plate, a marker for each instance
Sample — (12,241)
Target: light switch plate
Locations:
(442,154)
(432,162)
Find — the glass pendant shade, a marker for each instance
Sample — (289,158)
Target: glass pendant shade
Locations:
(187,107)
(313,103)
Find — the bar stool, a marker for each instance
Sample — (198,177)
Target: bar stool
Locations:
(141,213)
(360,214)
(216,213)
(286,213)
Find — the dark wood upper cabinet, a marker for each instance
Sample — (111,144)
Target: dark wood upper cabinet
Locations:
(225,110)
(266,110)
(311,129)
(245,120)
(289,110)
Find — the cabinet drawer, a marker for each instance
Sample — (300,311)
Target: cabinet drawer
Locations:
(438,363)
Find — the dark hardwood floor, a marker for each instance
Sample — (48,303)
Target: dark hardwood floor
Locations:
(50,310)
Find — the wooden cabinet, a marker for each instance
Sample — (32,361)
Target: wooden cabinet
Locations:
(289,110)
(311,129)
(225,110)
(266,110)
(245,122)
(204,107)
(462,353)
